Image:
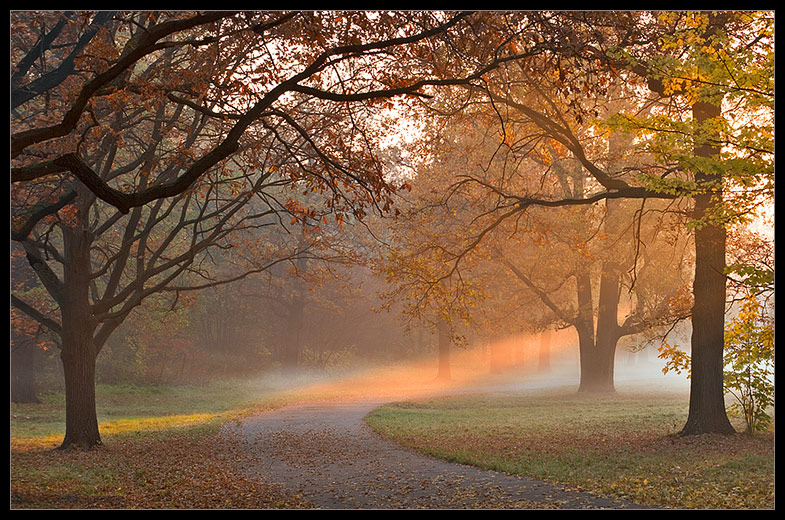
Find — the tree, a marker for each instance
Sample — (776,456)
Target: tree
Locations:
(707,141)
(749,359)
(751,260)
(431,224)
(577,261)
(373,62)
(291,291)
(599,284)
(110,265)
(749,363)
(410,262)
(544,357)
(139,141)
(729,58)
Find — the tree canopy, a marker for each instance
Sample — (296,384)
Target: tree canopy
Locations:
(159,152)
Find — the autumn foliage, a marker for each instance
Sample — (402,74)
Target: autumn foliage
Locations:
(545,169)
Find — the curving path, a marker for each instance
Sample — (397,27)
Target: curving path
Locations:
(327,454)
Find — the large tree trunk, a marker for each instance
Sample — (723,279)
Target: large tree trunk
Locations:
(607,327)
(597,370)
(590,379)
(707,412)
(593,378)
(81,421)
(78,351)
(597,364)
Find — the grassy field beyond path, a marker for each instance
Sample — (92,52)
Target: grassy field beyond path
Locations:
(162,447)
(622,445)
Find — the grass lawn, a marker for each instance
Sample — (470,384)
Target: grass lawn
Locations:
(150,457)
(622,444)
(153,457)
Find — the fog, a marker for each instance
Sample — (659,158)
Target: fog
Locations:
(343,349)
(472,372)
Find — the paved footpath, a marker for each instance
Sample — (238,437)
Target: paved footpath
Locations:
(327,454)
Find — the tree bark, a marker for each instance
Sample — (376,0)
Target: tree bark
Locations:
(707,412)
(78,352)
(607,327)
(599,347)
(591,378)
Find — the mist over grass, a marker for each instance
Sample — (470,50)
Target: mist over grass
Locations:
(127,407)
(519,419)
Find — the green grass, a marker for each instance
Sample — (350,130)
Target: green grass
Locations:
(124,408)
(622,445)
(161,449)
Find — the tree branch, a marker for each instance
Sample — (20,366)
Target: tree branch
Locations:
(25,229)
(53,78)
(540,293)
(148,44)
(48,277)
(35,314)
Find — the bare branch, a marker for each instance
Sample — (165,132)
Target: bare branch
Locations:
(39,212)
(50,80)
(35,314)
(148,44)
